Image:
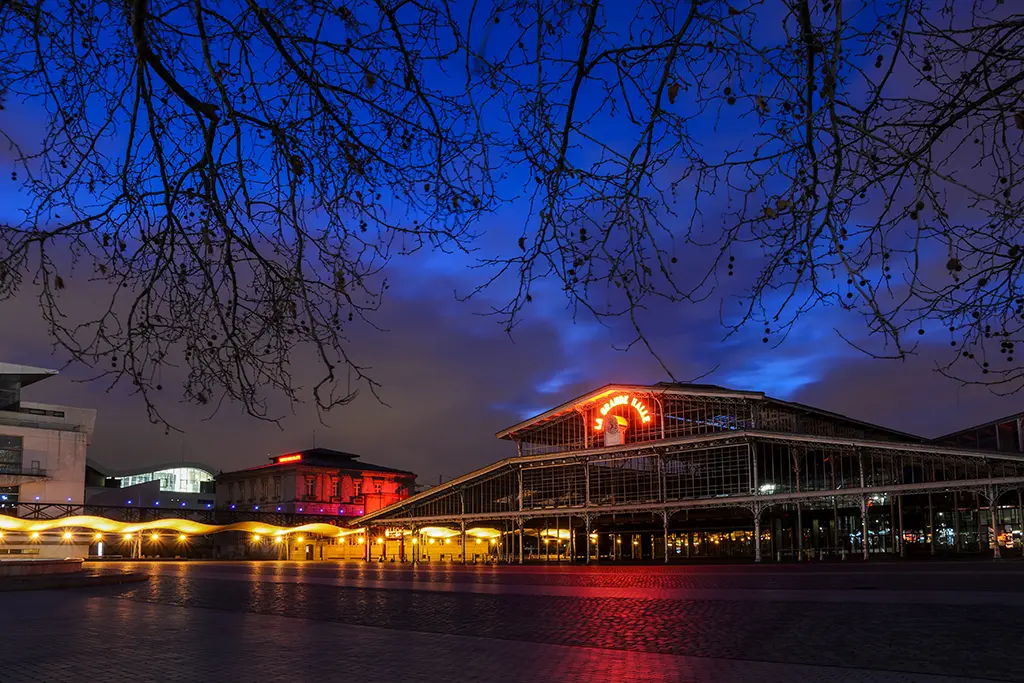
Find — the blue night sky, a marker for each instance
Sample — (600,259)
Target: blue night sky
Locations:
(451,377)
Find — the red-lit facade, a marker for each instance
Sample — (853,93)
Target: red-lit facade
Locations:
(317,481)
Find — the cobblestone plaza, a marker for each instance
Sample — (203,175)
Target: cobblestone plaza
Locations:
(939,622)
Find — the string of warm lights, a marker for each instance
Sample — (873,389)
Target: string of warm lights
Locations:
(183,526)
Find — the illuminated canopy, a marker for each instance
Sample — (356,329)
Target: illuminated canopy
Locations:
(185,526)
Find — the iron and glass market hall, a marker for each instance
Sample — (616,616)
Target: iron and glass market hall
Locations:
(686,471)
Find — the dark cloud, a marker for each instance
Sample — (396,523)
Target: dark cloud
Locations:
(450,379)
(907,395)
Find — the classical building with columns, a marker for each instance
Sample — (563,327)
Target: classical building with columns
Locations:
(673,470)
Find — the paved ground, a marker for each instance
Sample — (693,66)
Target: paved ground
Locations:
(940,622)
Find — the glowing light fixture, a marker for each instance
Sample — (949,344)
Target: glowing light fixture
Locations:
(300,539)
(154,536)
(182,538)
(98,537)
(127,537)
(35,534)
(67,535)
(277,539)
(380,541)
(255,538)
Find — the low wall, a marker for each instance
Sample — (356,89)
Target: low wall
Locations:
(22,567)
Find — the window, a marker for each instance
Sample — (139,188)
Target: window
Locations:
(277,487)
(264,486)
(337,488)
(178,479)
(10,454)
(358,488)
(252,489)
(310,487)
(378,487)
(231,491)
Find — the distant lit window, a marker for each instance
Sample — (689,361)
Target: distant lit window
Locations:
(337,487)
(277,487)
(358,488)
(378,487)
(310,486)
(176,479)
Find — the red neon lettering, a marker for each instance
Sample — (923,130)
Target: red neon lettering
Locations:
(623,399)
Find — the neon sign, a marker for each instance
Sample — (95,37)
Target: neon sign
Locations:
(289,458)
(622,400)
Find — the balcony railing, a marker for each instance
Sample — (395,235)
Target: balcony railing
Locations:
(22,470)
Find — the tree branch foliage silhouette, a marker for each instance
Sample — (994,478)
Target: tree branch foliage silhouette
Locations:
(234,177)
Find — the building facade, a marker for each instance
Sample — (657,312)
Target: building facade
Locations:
(673,470)
(316,481)
(43,450)
(180,485)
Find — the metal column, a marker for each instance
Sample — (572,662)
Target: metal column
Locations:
(799,513)
(1020,515)
(956,521)
(757,533)
(863,508)
(462,526)
(994,513)
(520,541)
(586,518)
(931,526)
(864,524)
(903,545)
(977,510)
(664,517)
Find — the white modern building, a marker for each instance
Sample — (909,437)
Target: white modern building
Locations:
(178,485)
(42,455)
